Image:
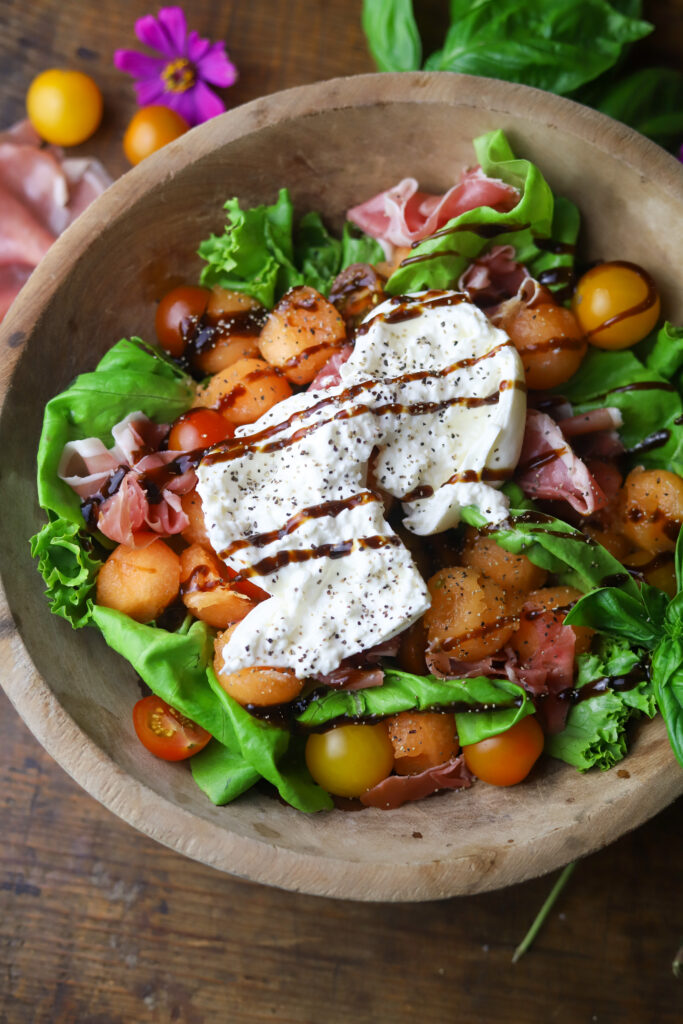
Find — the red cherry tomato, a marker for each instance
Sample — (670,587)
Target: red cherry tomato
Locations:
(198,428)
(165,732)
(176,306)
(508,758)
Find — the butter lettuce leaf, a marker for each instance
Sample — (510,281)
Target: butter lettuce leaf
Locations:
(177,668)
(131,376)
(403,691)
(69,565)
(536,218)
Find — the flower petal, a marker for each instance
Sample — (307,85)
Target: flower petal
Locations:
(149,91)
(152,33)
(205,103)
(196,47)
(216,67)
(181,102)
(172,20)
(138,64)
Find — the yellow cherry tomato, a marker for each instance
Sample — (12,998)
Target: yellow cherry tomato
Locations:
(350,759)
(150,129)
(64,107)
(616,304)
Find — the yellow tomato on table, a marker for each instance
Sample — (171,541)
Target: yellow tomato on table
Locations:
(150,129)
(64,107)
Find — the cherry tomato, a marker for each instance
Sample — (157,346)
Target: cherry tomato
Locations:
(165,732)
(616,304)
(175,307)
(64,107)
(150,129)
(508,758)
(198,428)
(350,759)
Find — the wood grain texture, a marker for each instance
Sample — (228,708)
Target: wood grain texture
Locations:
(99,924)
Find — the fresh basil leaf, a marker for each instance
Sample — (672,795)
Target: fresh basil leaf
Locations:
(535,218)
(402,691)
(392,34)
(650,405)
(667,683)
(554,545)
(649,100)
(132,376)
(264,747)
(69,567)
(222,772)
(594,735)
(613,611)
(678,559)
(551,44)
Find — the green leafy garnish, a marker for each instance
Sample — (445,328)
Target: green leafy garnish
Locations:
(537,215)
(263,254)
(132,376)
(69,567)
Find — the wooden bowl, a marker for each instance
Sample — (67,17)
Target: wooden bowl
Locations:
(332,144)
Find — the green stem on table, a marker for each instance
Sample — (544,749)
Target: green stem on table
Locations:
(543,912)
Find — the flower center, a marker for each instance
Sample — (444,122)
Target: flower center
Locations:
(179,75)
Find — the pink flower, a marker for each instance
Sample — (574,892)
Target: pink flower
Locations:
(178,79)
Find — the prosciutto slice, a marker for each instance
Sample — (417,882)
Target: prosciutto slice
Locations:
(493,277)
(127,515)
(402,215)
(41,193)
(329,376)
(549,468)
(399,789)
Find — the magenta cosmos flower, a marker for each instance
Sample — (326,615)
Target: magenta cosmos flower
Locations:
(177,79)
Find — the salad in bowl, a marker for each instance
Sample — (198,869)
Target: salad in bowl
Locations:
(387,514)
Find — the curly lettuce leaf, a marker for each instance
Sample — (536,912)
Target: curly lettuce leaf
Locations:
(262,252)
(67,564)
(595,733)
(403,691)
(536,216)
(131,376)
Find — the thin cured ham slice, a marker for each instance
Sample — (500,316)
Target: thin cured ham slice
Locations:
(549,468)
(131,513)
(329,376)
(41,193)
(399,789)
(402,215)
(494,277)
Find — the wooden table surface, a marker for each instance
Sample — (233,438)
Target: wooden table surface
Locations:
(100,925)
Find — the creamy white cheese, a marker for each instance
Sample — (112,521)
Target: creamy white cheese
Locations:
(438,393)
